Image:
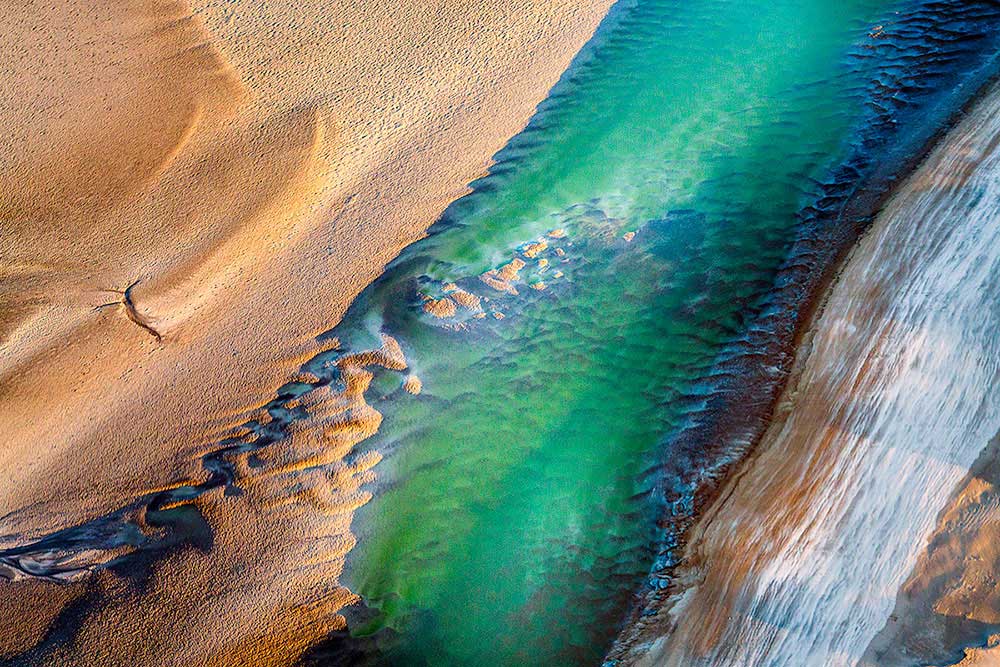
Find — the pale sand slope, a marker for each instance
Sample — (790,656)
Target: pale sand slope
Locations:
(255,164)
(951,599)
(988,656)
(893,399)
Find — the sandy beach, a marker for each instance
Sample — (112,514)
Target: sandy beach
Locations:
(705,362)
(246,168)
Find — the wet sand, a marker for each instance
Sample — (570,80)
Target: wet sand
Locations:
(253,166)
(801,555)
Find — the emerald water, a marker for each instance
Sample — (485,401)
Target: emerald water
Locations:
(563,318)
(514,516)
(575,331)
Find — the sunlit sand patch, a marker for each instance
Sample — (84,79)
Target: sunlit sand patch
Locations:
(986,656)
(144,117)
(413,385)
(950,599)
(534,249)
(467,300)
(440,308)
(501,279)
(443,300)
(307,467)
(281,498)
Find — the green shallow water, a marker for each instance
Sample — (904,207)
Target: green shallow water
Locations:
(513,516)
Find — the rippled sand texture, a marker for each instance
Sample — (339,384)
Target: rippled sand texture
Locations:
(193,515)
(476,370)
(800,561)
(253,165)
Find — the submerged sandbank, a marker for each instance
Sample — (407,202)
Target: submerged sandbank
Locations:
(254,165)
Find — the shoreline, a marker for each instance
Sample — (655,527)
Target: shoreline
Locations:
(689,574)
(294,153)
(812,474)
(785,329)
(215,300)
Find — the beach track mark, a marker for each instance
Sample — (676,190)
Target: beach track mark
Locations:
(130,310)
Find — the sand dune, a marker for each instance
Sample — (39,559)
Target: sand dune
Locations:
(253,165)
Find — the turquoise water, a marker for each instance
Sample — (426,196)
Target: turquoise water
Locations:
(574,321)
(564,318)
(512,520)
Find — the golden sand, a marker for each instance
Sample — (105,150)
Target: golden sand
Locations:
(413,385)
(440,307)
(951,594)
(532,250)
(253,165)
(988,656)
(502,278)
(467,300)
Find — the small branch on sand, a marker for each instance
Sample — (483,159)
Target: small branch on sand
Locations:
(130,310)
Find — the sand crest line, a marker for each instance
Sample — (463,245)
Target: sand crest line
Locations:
(155,153)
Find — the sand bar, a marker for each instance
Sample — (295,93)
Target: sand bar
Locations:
(253,165)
